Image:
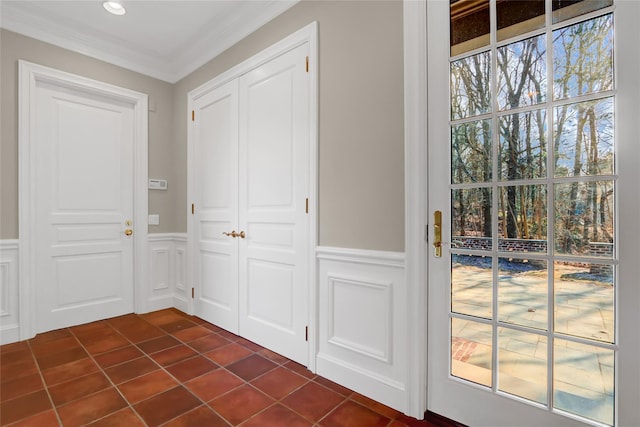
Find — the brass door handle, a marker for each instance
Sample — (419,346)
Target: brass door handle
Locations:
(234,233)
(437,234)
(128,232)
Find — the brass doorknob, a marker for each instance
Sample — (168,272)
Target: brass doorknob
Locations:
(128,232)
(232,234)
(242,234)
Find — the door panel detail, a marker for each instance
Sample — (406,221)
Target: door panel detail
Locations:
(251,157)
(84,192)
(274,158)
(215,152)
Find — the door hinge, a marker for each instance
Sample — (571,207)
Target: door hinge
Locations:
(307,64)
(193,208)
(193,115)
(193,293)
(306,333)
(306,208)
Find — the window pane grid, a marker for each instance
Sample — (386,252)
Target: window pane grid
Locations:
(564,261)
(550,27)
(531,108)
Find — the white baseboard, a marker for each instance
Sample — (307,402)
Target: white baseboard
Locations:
(362,323)
(377,387)
(9,292)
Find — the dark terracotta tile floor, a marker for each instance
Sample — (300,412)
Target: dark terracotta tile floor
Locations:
(169,369)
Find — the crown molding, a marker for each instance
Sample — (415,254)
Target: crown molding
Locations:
(242,23)
(85,40)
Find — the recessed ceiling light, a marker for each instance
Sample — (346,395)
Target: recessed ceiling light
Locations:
(114,7)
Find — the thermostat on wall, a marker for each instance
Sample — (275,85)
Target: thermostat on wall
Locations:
(157,184)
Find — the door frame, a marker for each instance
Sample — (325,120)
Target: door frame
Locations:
(416,206)
(417,212)
(307,34)
(30,75)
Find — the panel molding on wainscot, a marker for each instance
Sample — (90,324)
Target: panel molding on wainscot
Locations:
(167,272)
(166,287)
(9,298)
(362,322)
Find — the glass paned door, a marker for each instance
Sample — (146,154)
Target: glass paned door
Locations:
(530,283)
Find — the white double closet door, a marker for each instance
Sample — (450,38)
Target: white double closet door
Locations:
(250,151)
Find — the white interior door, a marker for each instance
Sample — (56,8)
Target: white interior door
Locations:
(274,187)
(215,156)
(534,303)
(84,179)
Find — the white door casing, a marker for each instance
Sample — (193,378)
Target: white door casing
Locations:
(215,151)
(415,131)
(83,158)
(274,186)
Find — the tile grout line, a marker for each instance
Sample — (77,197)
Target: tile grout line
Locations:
(44,384)
(279,362)
(244,382)
(183,383)
(163,368)
(103,371)
(346,398)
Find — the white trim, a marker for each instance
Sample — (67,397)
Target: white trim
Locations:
(225,35)
(361,256)
(626,17)
(307,34)
(9,244)
(29,75)
(415,159)
(383,288)
(161,237)
(170,68)
(312,37)
(362,339)
(173,270)
(372,385)
(9,300)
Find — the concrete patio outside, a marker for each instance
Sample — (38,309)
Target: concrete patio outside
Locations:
(583,375)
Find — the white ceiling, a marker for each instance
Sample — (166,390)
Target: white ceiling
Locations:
(160,38)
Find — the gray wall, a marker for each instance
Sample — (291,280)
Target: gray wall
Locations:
(361,166)
(361,136)
(161,163)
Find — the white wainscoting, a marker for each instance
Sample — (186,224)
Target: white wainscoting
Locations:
(9,298)
(362,338)
(167,272)
(167,285)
